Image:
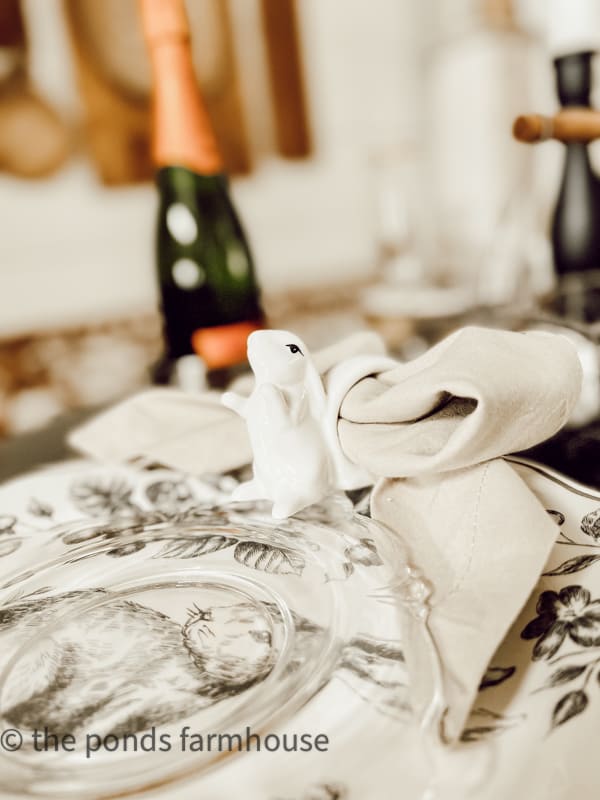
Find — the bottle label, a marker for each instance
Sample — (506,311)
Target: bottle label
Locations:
(224,345)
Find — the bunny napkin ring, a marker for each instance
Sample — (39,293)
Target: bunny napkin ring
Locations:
(292,423)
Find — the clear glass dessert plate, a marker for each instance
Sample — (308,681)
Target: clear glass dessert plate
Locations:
(126,644)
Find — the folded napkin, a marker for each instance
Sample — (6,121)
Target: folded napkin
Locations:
(193,433)
(432,431)
(477,395)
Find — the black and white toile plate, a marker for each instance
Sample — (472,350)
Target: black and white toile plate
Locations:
(131,585)
(137,618)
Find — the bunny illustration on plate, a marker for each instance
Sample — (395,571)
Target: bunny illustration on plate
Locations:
(292,464)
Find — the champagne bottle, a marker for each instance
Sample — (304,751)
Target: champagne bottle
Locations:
(209,292)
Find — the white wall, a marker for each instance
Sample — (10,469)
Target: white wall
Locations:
(72,251)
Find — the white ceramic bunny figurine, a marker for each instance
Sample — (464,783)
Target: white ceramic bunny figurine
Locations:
(292,463)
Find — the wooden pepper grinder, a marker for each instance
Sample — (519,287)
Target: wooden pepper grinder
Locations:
(576,222)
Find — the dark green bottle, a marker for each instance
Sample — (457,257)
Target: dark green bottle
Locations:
(205,267)
(209,293)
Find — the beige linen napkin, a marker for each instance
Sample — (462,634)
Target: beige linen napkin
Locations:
(478,394)
(433,430)
(192,433)
(477,531)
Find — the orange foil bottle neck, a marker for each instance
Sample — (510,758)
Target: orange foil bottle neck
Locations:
(183,134)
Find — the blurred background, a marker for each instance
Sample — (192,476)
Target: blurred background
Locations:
(372,162)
